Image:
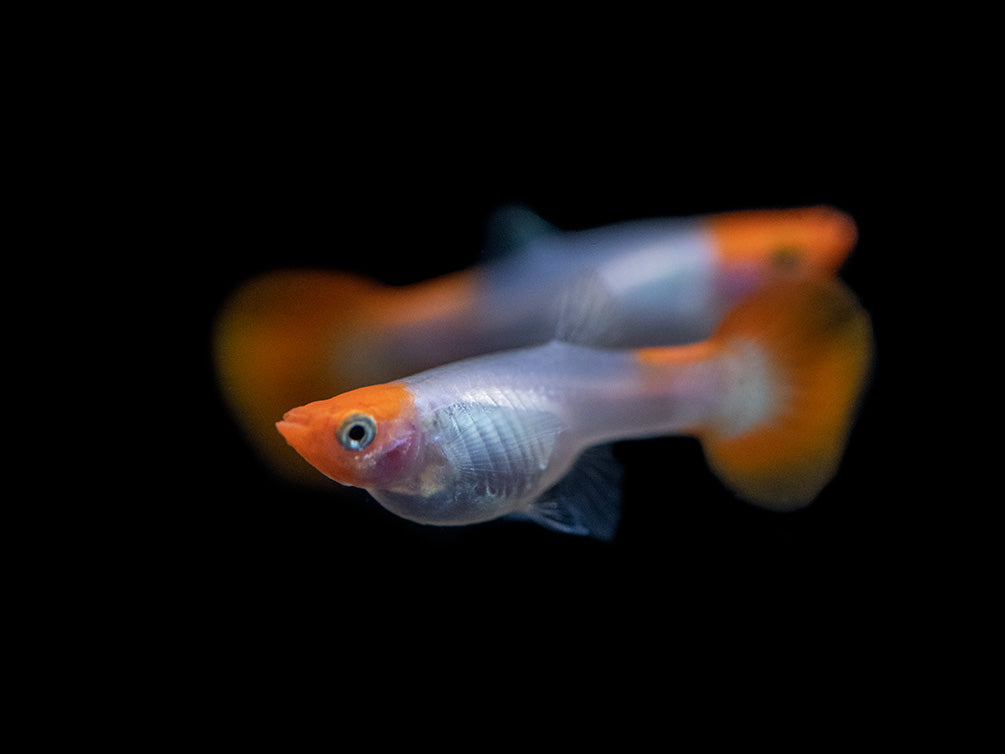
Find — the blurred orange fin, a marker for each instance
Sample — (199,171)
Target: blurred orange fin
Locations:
(796,359)
(809,239)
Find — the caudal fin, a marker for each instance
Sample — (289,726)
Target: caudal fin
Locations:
(796,358)
(787,242)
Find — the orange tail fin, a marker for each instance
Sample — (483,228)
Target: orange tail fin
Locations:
(797,356)
(814,240)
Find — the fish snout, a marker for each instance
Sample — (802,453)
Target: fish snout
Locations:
(294,425)
(299,415)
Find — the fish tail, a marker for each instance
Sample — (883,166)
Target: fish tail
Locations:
(273,346)
(795,359)
(766,244)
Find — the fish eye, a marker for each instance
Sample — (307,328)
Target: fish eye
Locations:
(357,431)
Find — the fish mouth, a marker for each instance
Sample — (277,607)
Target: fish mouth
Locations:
(286,429)
(293,425)
(297,415)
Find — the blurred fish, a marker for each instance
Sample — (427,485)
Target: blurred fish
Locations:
(290,336)
(526,432)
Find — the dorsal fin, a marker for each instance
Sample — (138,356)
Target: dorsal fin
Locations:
(587,313)
(511,228)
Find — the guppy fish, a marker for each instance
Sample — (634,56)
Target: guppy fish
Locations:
(770,396)
(289,336)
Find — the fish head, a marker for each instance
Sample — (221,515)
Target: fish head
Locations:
(367,437)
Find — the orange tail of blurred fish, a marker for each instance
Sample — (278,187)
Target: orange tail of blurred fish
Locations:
(798,355)
(814,239)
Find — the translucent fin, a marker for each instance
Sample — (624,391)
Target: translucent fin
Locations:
(511,228)
(588,313)
(496,446)
(796,356)
(587,501)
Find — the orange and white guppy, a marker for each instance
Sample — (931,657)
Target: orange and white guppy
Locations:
(291,336)
(526,433)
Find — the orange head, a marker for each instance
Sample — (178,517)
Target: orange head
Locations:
(364,438)
(814,240)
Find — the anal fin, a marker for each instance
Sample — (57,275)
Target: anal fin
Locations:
(587,500)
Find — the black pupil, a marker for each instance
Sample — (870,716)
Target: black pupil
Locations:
(357,432)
